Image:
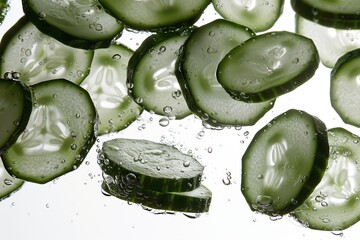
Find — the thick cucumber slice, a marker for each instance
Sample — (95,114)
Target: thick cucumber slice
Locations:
(15,109)
(334,205)
(345,89)
(82,24)
(195,201)
(284,162)
(155,15)
(336,13)
(267,66)
(38,57)
(196,72)
(155,166)
(257,15)
(106,84)
(340,41)
(151,75)
(8,184)
(59,134)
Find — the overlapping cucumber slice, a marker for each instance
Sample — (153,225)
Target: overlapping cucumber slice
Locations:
(284,162)
(60,132)
(106,84)
(334,204)
(154,175)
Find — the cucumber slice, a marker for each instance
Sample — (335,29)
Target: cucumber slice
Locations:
(344,87)
(284,162)
(38,57)
(15,109)
(59,134)
(155,166)
(8,184)
(334,205)
(81,24)
(196,72)
(257,15)
(195,201)
(152,78)
(335,14)
(4,7)
(340,41)
(267,66)
(155,15)
(106,84)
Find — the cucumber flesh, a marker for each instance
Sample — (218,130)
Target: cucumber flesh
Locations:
(344,87)
(267,66)
(38,57)
(60,132)
(257,15)
(334,205)
(155,166)
(195,201)
(81,24)
(15,109)
(196,72)
(106,84)
(151,75)
(284,162)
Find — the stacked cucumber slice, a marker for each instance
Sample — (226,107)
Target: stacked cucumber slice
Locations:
(154,175)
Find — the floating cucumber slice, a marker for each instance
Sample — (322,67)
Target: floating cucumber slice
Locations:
(106,84)
(15,109)
(81,24)
(195,201)
(155,166)
(58,136)
(345,89)
(196,72)
(284,162)
(38,57)
(267,66)
(152,78)
(335,13)
(258,15)
(334,204)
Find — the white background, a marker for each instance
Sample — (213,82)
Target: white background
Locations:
(73,207)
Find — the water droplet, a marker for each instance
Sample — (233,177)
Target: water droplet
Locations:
(186,163)
(164,122)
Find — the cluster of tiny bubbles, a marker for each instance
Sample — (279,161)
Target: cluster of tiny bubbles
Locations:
(227,181)
(12,76)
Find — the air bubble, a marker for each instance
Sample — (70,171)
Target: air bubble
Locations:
(73,146)
(116,57)
(186,163)
(167,109)
(164,122)
(8,182)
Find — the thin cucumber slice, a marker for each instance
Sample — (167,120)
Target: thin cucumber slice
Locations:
(195,201)
(334,205)
(81,24)
(257,15)
(267,66)
(196,72)
(345,89)
(59,134)
(151,75)
(15,109)
(38,57)
(340,41)
(284,162)
(106,84)
(8,183)
(155,15)
(336,14)
(155,166)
